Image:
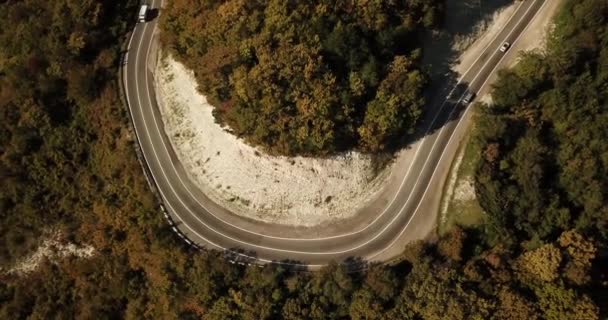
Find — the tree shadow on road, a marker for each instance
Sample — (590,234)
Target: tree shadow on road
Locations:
(464,20)
(352,264)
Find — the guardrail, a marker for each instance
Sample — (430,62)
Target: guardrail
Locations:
(137,143)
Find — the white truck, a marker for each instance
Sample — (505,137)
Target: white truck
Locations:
(143,13)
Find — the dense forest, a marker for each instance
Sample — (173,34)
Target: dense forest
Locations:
(67,162)
(64,145)
(545,138)
(306,77)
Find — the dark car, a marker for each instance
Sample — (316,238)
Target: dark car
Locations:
(468,97)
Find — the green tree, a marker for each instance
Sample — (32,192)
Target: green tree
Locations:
(542,263)
(306,77)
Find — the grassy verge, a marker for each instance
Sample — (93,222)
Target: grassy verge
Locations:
(459,205)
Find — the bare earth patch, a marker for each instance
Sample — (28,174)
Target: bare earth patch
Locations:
(285,190)
(450,186)
(465,190)
(53,249)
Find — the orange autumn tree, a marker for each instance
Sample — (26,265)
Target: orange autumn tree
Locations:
(306,77)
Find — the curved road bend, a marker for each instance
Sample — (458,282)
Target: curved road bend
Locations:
(377,237)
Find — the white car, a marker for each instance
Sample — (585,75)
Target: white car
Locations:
(143,13)
(505,46)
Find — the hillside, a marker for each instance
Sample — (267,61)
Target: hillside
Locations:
(309,78)
(67,161)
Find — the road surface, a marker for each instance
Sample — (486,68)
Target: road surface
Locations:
(376,235)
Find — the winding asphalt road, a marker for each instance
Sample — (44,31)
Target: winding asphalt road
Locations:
(376,233)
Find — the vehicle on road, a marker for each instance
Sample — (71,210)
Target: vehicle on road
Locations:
(380,239)
(504,47)
(143,13)
(468,97)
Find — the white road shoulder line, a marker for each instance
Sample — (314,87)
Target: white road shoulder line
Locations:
(453,132)
(397,193)
(137,86)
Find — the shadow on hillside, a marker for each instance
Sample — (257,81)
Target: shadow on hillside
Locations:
(462,21)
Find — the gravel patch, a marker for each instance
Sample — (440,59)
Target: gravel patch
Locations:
(53,249)
(284,190)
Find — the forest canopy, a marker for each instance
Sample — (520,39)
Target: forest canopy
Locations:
(544,168)
(67,162)
(306,77)
(63,135)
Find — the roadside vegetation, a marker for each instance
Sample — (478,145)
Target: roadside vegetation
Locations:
(65,152)
(67,161)
(306,77)
(459,205)
(544,141)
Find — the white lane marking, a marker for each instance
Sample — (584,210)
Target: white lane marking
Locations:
(453,132)
(273,249)
(498,34)
(239,241)
(130,40)
(451,113)
(125,77)
(163,171)
(296,251)
(513,44)
(397,193)
(236,253)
